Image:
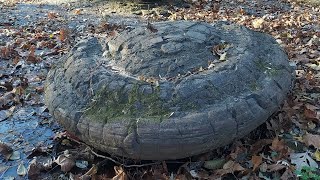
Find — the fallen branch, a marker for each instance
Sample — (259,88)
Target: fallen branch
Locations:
(111,159)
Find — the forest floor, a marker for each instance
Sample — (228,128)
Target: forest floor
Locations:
(35,33)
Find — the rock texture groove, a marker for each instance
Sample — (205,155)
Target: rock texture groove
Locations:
(169,90)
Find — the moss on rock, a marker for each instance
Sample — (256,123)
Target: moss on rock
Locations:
(112,105)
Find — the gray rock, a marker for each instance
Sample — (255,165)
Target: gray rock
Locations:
(154,93)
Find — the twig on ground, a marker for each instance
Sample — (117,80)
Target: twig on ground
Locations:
(113,160)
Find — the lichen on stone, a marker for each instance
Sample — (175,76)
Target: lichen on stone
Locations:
(267,68)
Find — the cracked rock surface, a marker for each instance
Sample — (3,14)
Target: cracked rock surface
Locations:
(165,91)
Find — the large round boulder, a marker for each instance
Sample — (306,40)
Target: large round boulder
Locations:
(168,90)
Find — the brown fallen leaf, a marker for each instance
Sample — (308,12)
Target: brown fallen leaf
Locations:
(157,173)
(66,162)
(67,134)
(33,169)
(165,167)
(311,107)
(311,114)
(120,174)
(181,177)
(312,140)
(220,49)
(113,33)
(278,145)
(52,15)
(90,173)
(259,145)
(316,155)
(63,34)
(256,161)
(238,151)
(37,165)
(77,11)
(275,167)
(16,60)
(19,91)
(44,163)
(229,167)
(5,99)
(32,57)
(6,52)
(287,175)
(258,23)
(37,151)
(72,136)
(85,177)
(5,150)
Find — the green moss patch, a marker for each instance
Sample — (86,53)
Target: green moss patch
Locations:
(114,105)
(254,86)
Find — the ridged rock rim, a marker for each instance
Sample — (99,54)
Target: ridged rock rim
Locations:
(169,90)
